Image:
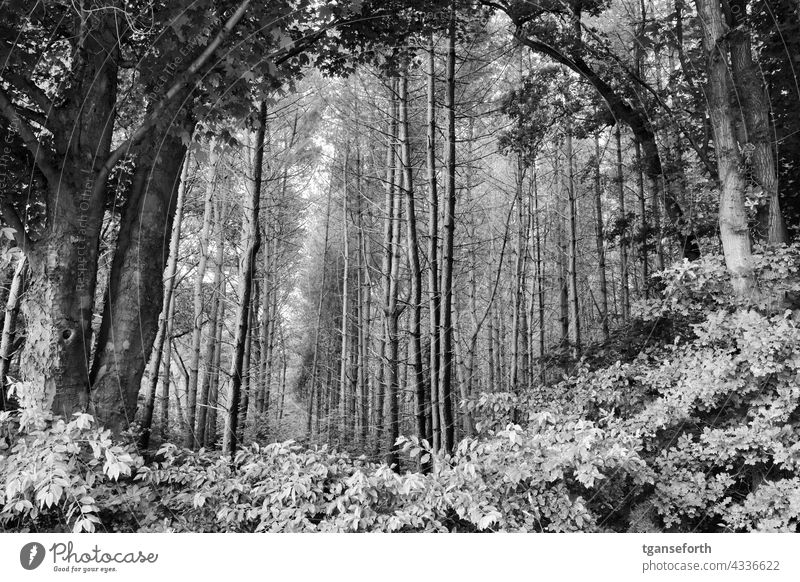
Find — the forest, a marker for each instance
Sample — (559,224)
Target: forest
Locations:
(400,266)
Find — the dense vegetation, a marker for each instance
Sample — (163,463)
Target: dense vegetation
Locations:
(400,266)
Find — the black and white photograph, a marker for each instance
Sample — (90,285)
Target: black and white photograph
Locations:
(400,266)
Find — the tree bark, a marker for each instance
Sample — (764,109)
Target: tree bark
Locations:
(448,250)
(247,270)
(415,328)
(197,330)
(623,243)
(600,240)
(753,105)
(166,305)
(733,225)
(10,326)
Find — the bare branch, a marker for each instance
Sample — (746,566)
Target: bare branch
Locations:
(39,152)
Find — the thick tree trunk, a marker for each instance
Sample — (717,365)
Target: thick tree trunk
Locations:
(245,288)
(752,102)
(63,262)
(733,225)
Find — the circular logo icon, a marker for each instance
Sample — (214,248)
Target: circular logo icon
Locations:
(31,555)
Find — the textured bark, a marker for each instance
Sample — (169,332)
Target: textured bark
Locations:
(600,240)
(345,322)
(246,273)
(415,301)
(167,376)
(216,367)
(166,305)
(623,244)
(313,388)
(197,329)
(734,230)
(10,325)
(63,262)
(448,250)
(572,263)
(752,101)
(386,269)
(211,341)
(434,299)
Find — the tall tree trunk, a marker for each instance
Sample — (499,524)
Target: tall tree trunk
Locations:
(433,428)
(752,102)
(448,249)
(197,329)
(59,303)
(415,329)
(733,225)
(600,239)
(539,275)
(211,341)
(386,268)
(623,241)
(216,367)
(643,228)
(392,329)
(245,287)
(10,325)
(313,389)
(167,368)
(166,305)
(133,299)
(572,263)
(345,323)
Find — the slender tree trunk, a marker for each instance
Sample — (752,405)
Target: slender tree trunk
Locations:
(10,325)
(211,341)
(623,242)
(539,275)
(197,330)
(169,285)
(245,288)
(167,368)
(572,264)
(345,324)
(433,426)
(415,329)
(386,269)
(643,228)
(216,366)
(448,249)
(600,239)
(315,358)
